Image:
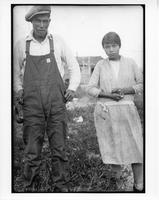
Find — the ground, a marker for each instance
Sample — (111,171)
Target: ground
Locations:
(87,172)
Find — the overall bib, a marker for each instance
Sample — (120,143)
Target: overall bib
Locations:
(44,111)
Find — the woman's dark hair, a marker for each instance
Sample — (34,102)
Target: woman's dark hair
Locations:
(111,37)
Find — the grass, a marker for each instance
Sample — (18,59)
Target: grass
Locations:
(86,169)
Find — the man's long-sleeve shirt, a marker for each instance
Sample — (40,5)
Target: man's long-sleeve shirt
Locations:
(63,57)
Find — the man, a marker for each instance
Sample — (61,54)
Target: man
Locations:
(38,72)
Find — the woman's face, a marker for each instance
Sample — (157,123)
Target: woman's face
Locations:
(112,50)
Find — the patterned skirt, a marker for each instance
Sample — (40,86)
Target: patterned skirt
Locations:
(119,132)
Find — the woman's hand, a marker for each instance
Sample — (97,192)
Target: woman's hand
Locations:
(118,91)
(122,91)
(116,96)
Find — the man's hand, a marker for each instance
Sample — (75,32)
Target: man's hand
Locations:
(19,106)
(19,96)
(70,94)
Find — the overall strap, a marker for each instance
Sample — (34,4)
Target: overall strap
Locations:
(51,44)
(27,47)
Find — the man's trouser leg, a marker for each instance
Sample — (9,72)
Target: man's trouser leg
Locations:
(33,135)
(56,130)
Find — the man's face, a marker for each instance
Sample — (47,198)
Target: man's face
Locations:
(112,50)
(40,25)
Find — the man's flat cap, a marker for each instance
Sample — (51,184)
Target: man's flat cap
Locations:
(36,10)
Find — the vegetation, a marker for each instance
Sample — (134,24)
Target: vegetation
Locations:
(87,172)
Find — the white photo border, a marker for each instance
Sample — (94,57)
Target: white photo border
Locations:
(151,80)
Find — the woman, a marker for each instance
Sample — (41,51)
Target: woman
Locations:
(114,82)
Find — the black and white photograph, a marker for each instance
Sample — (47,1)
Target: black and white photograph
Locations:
(79,105)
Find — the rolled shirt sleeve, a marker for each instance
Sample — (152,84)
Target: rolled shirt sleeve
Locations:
(17,61)
(62,54)
(73,67)
(93,85)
